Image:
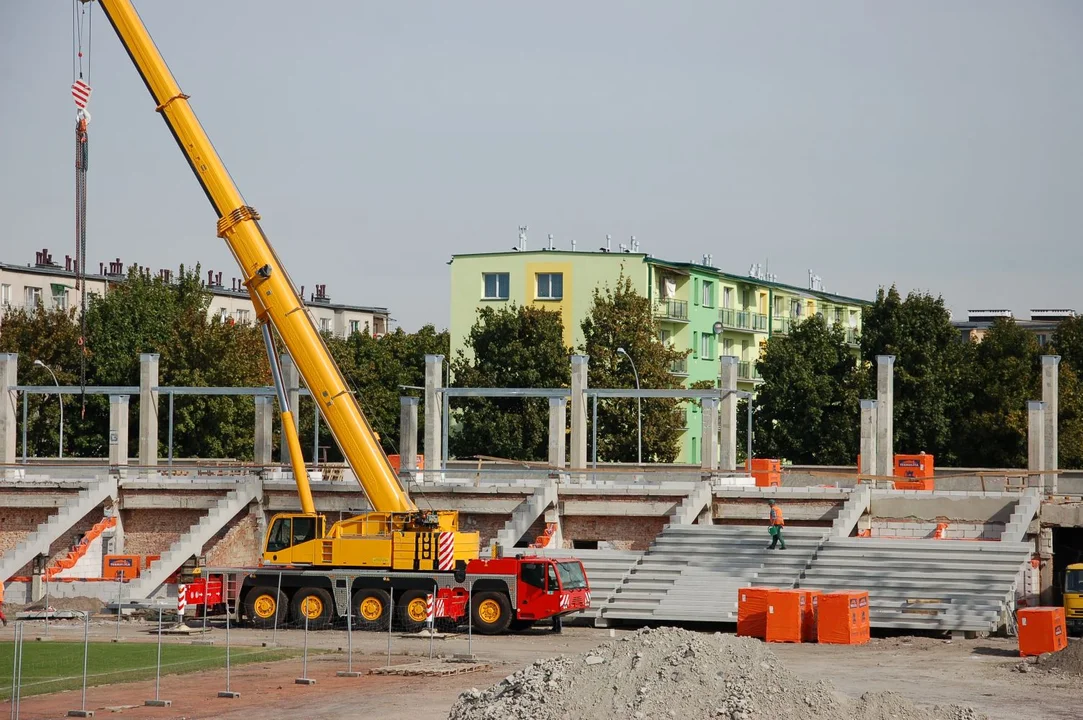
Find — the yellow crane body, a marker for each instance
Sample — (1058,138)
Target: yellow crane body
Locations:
(395,533)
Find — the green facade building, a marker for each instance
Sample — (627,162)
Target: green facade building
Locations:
(699,307)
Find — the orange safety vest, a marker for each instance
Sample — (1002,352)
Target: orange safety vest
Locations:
(1,591)
(776,516)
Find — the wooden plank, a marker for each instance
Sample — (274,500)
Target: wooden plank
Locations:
(431,668)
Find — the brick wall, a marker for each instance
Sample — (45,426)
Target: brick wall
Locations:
(239,542)
(622,533)
(17,523)
(487,525)
(151,532)
(886,527)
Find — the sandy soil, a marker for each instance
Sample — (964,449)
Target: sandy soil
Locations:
(975,672)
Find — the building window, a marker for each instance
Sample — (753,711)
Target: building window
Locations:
(744,350)
(495,286)
(795,309)
(780,307)
(838,316)
(325,324)
(242,316)
(355,327)
(223,313)
(853,318)
(695,344)
(33,296)
(727,347)
(708,294)
(550,286)
(60,297)
(665,337)
(5,295)
(1042,339)
(706,343)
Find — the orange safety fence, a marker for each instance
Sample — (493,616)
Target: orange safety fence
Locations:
(80,550)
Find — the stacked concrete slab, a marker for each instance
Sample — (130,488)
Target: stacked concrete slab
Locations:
(691,573)
(923,584)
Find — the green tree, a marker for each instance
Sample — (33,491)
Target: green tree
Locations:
(928,368)
(1002,373)
(1067,341)
(620,317)
(807,409)
(517,346)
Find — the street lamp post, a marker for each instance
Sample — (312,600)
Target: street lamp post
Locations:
(639,409)
(60,399)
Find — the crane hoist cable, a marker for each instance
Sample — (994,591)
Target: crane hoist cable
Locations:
(82,27)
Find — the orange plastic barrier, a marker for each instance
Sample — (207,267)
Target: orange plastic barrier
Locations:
(843,618)
(115,565)
(396,460)
(812,608)
(1041,630)
(766,471)
(752,611)
(785,615)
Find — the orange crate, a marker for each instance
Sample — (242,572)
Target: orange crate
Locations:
(843,618)
(918,471)
(752,611)
(113,566)
(396,461)
(766,471)
(1041,630)
(785,615)
(808,623)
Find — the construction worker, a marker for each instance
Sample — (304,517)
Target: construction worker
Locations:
(776,525)
(2,618)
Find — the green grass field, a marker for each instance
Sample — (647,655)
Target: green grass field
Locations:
(55,666)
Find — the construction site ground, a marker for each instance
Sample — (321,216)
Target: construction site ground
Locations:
(981,673)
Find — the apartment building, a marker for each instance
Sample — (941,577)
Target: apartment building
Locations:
(52,285)
(699,307)
(1042,323)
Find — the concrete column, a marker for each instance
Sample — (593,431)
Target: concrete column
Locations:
(1035,441)
(434,379)
(709,435)
(148,411)
(1050,395)
(291,381)
(727,456)
(868,438)
(118,433)
(885,408)
(408,434)
(579,411)
(264,429)
(558,427)
(9,414)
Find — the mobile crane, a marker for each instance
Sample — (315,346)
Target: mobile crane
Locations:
(358,564)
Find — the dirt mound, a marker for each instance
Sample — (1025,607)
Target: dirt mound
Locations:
(1068,661)
(77,604)
(673,673)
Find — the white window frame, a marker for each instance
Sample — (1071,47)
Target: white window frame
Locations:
(707,294)
(325,324)
(355,327)
(548,293)
(5,295)
(727,347)
(706,346)
(242,316)
(498,276)
(727,298)
(32,296)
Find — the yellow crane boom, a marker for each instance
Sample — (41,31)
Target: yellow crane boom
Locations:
(273,294)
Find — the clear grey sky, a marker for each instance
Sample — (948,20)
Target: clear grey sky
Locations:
(934,145)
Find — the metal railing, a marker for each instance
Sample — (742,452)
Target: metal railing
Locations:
(679,367)
(672,310)
(782,324)
(853,338)
(743,320)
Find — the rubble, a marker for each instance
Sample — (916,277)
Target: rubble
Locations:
(674,673)
(1068,661)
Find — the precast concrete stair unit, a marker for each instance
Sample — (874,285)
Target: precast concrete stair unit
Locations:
(1015,530)
(693,504)
(605,571)
(691,573)
(193,540)
(924,584)
(38,542)
(852,510)
(525,514)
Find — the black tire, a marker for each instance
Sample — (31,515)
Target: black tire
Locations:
(520,625)
(263,608)
(321,608)
(491,612)
(410,613)
(371,608)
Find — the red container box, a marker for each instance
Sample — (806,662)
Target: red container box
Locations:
(752,612)
(1041,630)
(843,618)
(785,615)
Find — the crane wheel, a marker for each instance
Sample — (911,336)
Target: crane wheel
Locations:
(412,609)
(315,604)
(491,612)
(371,609)
(265,606)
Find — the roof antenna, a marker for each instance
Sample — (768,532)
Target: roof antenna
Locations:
(522,237)
(551,241)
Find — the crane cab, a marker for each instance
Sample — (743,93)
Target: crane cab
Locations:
(290,538)
(1073,597)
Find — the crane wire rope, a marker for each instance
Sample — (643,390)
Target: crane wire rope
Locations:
(82,27)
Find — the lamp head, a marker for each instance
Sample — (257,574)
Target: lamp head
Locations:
(39,363)
(621,351)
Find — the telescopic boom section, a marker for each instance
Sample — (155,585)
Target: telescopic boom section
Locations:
(273,293)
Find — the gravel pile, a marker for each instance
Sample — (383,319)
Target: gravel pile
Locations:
(673,673)
(1068,661)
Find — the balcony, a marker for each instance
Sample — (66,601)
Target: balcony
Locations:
(676,310)
(782,324)
(746,370)
(853,337)
(744,320)
(679,367)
